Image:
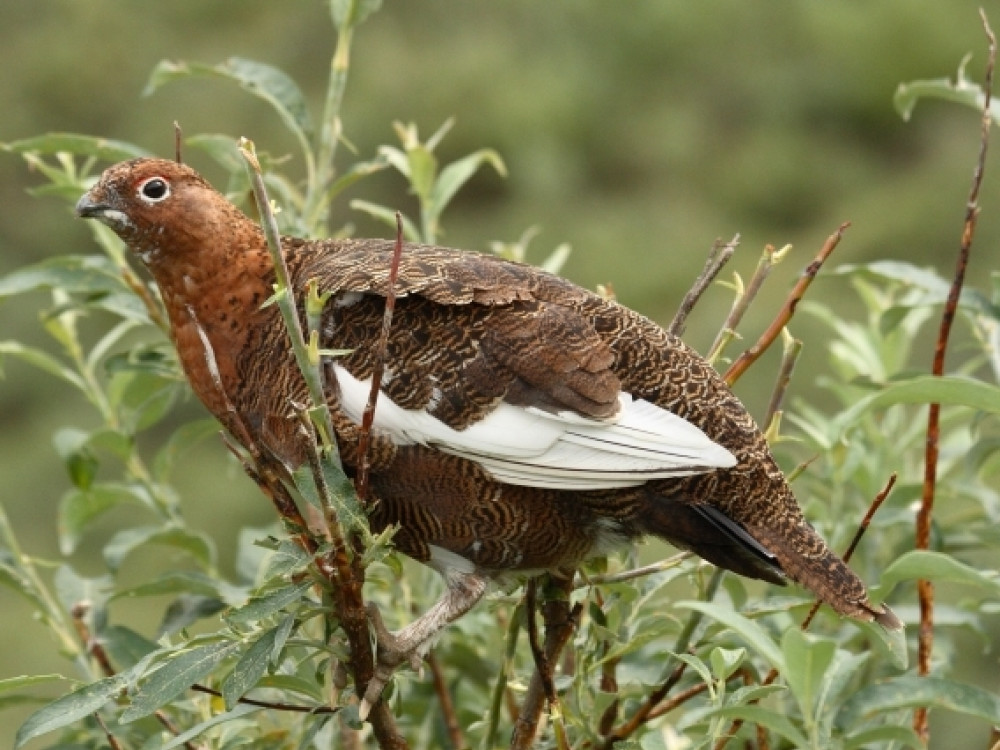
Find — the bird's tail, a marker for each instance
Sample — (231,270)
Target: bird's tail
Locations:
(807,560)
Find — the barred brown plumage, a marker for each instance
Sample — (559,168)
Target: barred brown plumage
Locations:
(525,423)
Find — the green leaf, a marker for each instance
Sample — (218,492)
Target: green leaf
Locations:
(185,737)
(184,437)
(80,507)
(357,172)
(388,216)
(76,274)
(175,676)
(423,168)
(70,708)
(947,390)
(28,680)
(883,737)
(807,658)
(767,718)
(264,81)
(198,545)
(251,666)
(961,90)
(104,149)
(260,607)
(125,646)
(184,582)
(456,174)
(935,566)
(347,13)
(910,691)
(751,632)
(43,361)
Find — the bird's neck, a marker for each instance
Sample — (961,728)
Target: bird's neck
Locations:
(214,302)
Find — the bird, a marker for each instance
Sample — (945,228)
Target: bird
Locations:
(524,424)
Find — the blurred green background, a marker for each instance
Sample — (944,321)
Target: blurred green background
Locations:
(637,132)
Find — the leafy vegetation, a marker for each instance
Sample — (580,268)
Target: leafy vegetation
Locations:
(680,657)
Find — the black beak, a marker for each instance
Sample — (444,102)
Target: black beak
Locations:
(88,208)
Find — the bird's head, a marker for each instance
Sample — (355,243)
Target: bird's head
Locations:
(158,207)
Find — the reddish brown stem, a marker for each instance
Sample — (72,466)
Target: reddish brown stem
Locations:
(925,589)
(364,457)
(447,704)
(560,623)
(751,355)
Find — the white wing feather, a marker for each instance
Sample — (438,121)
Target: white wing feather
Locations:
(534,448)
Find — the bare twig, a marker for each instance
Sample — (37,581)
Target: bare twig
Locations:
(628,575)
(784,315)
(769,258)
(789,356)
(364,456)
(447,704)
(113,742)
(178,142)
(273,705)
(925,588)
(718,256)
(560,622)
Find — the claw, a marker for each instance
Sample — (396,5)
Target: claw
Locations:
(391,653)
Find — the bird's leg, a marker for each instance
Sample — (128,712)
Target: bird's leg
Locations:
(409,643)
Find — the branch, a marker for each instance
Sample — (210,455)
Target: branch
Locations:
(751,355)
(745,296)
(718,256)
(560,623)
(925,588)
(368,418)
(344,578)
(447,704)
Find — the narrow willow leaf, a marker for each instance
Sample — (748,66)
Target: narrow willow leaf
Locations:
(935,566)
(264,81)
(124,646)
(883,737)
(456,174)
(347,13)
(26,680)
(947,390)
(388,216)
(260,607)
(185,737)
(910,691)
(751,632)
(199,546)
(81,507)
(70,708)
(43,361)
(77,274)
(767,718)
(807,657)
(175,676)
(104,149)
(251,666)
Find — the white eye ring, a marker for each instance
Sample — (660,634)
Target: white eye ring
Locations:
(153,190)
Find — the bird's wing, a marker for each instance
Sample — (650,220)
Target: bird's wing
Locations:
(495,362)
(561,450)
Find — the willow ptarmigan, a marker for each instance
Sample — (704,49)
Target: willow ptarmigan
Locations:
(524,423)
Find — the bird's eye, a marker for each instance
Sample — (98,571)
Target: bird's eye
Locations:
(154,190)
